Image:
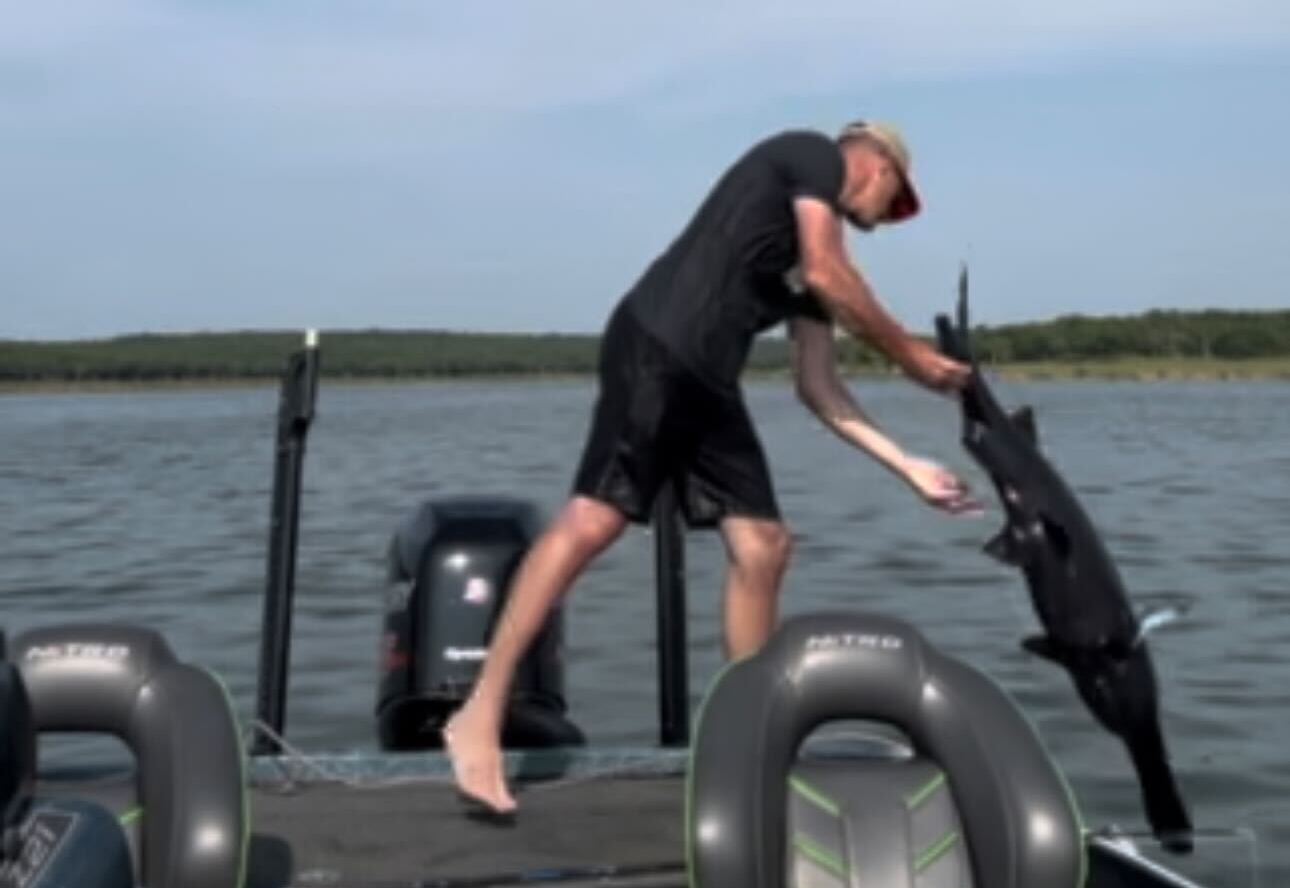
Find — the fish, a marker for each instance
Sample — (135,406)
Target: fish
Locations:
(1089,627)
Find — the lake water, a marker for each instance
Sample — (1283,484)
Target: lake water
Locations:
(153,507)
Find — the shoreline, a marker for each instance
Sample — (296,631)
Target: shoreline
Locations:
(1111,370)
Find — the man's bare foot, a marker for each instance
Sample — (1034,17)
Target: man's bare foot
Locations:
(477,764)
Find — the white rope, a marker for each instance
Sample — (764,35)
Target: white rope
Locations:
(318,765)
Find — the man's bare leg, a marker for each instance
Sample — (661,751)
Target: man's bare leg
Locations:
(472,737)
(758,552)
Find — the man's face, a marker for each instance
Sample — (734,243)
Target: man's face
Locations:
(870,205)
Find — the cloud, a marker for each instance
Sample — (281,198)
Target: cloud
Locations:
(308,81)
(486,58)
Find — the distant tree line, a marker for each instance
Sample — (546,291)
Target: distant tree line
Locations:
(1156,334)
(394,354)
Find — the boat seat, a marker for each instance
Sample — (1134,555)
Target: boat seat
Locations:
(189,828)
(973,800)
(48,842)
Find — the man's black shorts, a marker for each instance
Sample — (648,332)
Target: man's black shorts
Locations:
(656,421)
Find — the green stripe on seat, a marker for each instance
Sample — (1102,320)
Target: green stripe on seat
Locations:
(130,816)
(814,852)
(244,850)
(1082,880)
(930,787)
(934,853)
(689,772)
(810,793)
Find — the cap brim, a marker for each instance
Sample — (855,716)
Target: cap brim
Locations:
(906,204)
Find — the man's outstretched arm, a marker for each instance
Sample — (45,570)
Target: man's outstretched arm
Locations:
(823,392)
(820,389)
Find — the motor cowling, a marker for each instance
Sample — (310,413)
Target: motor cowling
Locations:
(451,563)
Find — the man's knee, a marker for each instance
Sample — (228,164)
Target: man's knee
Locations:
(591,525)
(761,546)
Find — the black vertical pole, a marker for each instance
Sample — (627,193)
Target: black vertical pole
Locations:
(295,411)
(673,656)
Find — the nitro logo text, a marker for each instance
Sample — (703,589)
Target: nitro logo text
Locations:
(866,640)
(79,650)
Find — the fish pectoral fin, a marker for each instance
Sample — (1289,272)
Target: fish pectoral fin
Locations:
(1024,420)
(1042,646)
(1003,547)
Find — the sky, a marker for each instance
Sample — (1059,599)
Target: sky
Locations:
(514,166)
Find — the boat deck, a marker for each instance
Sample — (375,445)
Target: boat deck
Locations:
(367,820)
(614,820)
(623,829)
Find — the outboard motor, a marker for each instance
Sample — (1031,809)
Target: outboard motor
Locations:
(186,805)
(451,565)
(974,801)
(48,843)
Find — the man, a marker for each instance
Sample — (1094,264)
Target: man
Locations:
(765,246)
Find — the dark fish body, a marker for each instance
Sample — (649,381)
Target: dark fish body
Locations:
(1089,626)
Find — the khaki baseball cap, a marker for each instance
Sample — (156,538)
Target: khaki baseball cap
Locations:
(907,203)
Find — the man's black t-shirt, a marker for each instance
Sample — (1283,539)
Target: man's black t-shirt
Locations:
(723,280)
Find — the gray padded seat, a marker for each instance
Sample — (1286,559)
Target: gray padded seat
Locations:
(48,843)
(125,681)
(974,801)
